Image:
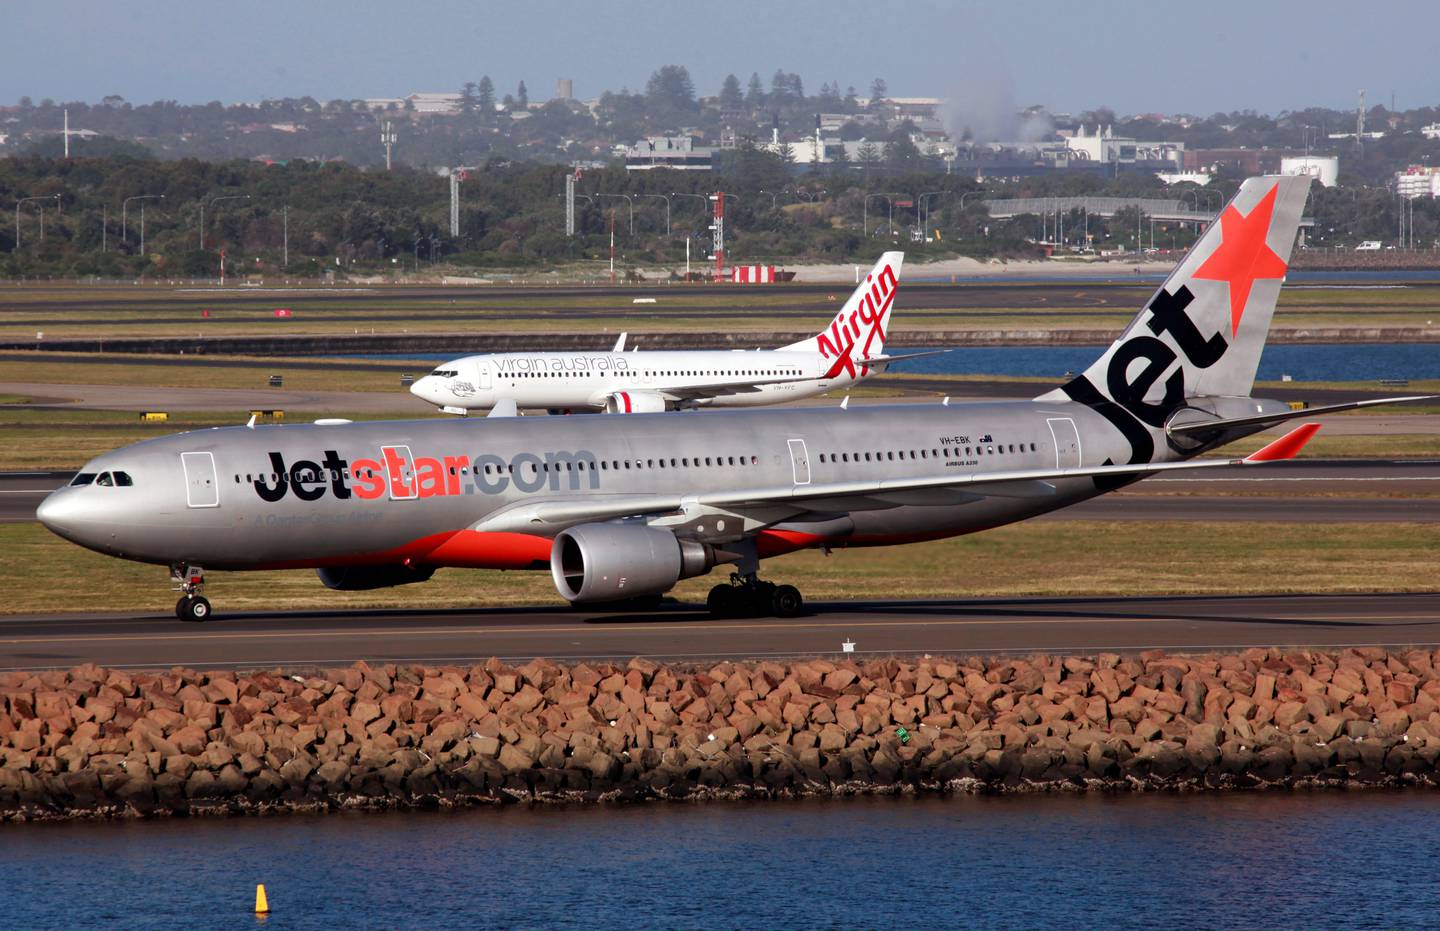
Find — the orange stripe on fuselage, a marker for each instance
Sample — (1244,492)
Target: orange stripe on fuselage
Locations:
(461,549)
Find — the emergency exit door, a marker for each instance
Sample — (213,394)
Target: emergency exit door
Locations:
(201,488)
(800,462)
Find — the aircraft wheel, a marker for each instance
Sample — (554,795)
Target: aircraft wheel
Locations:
(193,608)
(723,601)
(785,601)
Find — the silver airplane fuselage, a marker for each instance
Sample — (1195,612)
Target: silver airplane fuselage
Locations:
(414,492)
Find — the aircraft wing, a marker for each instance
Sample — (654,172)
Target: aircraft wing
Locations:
(1203,426)
(716,388)
(784,502)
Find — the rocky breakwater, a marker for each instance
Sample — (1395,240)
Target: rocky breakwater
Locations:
(90,741)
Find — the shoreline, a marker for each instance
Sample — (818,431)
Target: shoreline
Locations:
(92,743)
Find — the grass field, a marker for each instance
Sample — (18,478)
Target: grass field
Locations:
(110,311)
(1100,558)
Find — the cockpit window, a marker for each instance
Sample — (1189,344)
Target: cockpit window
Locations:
(123,479)
(83,478)
(445,373)
(105,481)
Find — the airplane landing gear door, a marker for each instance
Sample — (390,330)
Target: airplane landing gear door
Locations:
(800,462)
(1067,442)
(201,488)
(400,472)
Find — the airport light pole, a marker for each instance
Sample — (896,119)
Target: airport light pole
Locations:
(925,213)
(666,199)
(772,197)
(629,202)
(213,202)
(865,218)
(125,205)
(26,200)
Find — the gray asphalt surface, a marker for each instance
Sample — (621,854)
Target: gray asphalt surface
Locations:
(1071,625)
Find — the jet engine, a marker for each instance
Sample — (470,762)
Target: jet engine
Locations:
(365,578)
(611,562)
(635,402)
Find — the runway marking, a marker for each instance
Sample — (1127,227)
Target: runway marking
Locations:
(1083,649)
(692,627)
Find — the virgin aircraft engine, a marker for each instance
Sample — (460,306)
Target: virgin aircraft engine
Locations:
(634,402)
(365,578)
(611,562)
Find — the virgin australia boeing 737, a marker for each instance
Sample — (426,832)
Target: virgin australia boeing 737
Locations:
(847,352)
(623,508)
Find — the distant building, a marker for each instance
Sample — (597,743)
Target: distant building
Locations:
(1323,168)
(1431,132)
(1249,161)
(435,103)
(678,152)
(1184,177)
(1106,148)
(564,89)
(1418,181)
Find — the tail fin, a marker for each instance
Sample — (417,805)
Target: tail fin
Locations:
(857,333)
(1202,333)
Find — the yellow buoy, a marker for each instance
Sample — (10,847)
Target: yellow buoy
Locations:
(262,904)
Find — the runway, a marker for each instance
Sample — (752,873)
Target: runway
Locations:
(1319,491)
(1054,625)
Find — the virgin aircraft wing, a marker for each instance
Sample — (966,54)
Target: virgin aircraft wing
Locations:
(830,497)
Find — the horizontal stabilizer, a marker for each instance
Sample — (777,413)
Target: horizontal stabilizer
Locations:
(1205,426)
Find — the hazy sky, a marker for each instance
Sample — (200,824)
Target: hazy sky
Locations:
(1130,55)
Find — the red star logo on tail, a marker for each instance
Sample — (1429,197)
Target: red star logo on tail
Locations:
(1243,255)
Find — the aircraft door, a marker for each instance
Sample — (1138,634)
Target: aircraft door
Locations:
(1067,442)
(400,472)
(201,488)
(484,379)
(800,462)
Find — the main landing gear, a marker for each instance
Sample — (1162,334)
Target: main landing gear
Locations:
(748,596)
(190,581)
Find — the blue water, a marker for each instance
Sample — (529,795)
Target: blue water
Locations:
(1314,362)
(1329,860)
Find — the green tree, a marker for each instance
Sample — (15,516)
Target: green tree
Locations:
(879,90)
(670,87)
(731,97)
(755,92)
(485,97)
(522,97)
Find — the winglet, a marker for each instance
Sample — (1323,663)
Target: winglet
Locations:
(251,422)
(1287,447)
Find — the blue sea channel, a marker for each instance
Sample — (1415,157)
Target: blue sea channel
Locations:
(1261,860)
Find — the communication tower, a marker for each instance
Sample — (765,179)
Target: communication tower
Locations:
(387,139)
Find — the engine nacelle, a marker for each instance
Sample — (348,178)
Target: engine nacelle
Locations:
(365,578)
(635,402)
(611,562)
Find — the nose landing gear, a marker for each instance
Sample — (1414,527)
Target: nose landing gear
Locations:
(190,581)
(748,596)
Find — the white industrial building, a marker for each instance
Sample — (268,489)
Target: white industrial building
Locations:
(678,152)
(1106,148)
(1418,181)
(1323,168)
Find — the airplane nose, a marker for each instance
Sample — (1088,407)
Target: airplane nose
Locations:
(424,388)
(58,512)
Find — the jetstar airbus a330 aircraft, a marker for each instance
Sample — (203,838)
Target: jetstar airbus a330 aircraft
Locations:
(623,508)
(847,352)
